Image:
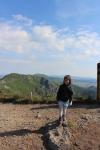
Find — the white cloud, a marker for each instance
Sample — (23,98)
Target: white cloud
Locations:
(13,39)
(48,37)
(58,48)
(44,38)
(23,19)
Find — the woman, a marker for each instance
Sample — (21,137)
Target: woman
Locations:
(64,97)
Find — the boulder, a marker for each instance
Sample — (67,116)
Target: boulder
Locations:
(58,138)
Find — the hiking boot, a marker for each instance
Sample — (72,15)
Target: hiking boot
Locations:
(64,124)
(64,118)
(60,120)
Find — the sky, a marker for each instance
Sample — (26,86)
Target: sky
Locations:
(53,37)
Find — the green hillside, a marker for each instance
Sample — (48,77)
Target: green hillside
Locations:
(21,86)
(37,87)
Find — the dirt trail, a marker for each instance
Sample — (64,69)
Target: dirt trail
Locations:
(22,127)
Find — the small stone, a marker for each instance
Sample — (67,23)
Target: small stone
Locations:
(47,118)
(38,116)
(76,143)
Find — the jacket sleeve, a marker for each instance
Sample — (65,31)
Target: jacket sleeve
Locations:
(58,93)
(70,93)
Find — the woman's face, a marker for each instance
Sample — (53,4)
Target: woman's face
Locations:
(66,81)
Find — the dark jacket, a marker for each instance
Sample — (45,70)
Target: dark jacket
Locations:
(64,93)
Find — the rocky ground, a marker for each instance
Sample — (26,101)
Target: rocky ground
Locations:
(35,127)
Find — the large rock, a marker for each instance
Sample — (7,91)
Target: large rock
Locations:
(58,138)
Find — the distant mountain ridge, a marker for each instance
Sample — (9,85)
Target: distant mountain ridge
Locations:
(1,76)
(60,77)
(80,81)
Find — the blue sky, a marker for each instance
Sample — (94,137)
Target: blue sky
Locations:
(54,37)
